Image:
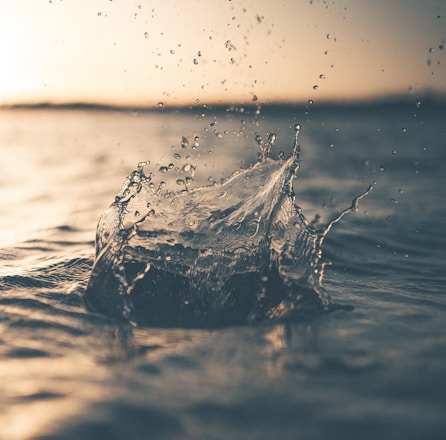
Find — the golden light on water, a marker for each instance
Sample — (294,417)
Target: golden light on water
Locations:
(142,52)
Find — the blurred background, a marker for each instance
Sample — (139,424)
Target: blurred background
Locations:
(150,52)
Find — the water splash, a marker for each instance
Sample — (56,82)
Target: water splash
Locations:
(234,253)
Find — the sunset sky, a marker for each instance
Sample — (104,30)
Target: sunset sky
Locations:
(143,52)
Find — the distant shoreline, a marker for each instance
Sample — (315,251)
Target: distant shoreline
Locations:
(431,101)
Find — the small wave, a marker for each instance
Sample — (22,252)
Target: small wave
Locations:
(55,272)
(227,254)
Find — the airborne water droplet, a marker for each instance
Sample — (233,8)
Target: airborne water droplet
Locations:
(184,142)
(272,138)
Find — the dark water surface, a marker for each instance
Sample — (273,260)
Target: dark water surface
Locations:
(372,368)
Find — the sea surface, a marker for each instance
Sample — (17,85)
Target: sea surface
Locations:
(365,360)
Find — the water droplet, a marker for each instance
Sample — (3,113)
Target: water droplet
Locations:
(195,61)
(146,35)
(393,151)
(404,129)
(229,45)
(310,102)
(186,168)
(163,169)
(315,87)
(272,138)
(160,104)
(297,127)
(254,98)
(177,156)
(328,36)
(184,142)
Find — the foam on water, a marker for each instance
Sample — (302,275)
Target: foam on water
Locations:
(231,253)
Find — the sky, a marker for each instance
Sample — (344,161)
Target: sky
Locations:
(145,52)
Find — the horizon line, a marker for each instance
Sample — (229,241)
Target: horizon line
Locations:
(438,99)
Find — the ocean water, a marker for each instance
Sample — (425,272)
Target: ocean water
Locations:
(201,312)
